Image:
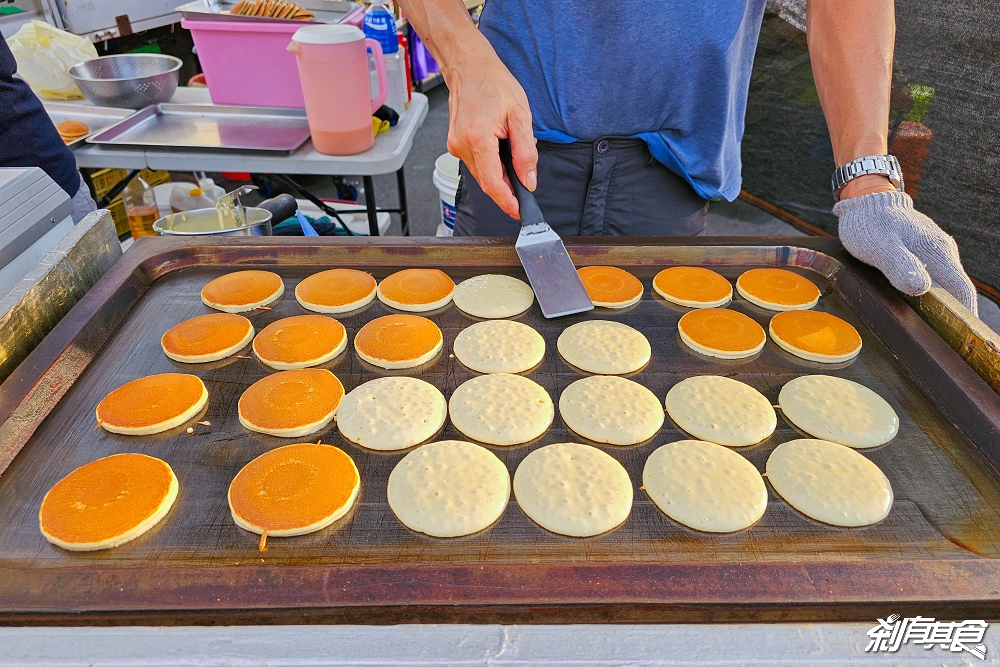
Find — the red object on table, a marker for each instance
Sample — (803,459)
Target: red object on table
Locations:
(405,44)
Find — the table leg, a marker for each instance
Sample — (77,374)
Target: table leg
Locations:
(370,205)
(404,211)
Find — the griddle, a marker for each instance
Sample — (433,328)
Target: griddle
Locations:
(938,552)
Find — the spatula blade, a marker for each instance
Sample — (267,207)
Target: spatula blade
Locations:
(543,255)
(551,272)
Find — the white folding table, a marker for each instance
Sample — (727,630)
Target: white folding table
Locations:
(387,156)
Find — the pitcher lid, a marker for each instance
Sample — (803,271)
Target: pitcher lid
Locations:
(327,34)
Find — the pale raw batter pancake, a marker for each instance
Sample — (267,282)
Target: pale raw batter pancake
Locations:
(300,341)
(611,409)
(107,502)
(493,296)
(207,338)
(501,409)
(604,347)
(572,489)
(829,482)
(705,486)
(835,409)
(448,489)
(499,346)
(241,291)
(721,410)
(392,413)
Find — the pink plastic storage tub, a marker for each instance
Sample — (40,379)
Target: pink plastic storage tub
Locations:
(248,63)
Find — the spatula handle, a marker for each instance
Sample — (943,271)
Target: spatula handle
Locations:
(530,213)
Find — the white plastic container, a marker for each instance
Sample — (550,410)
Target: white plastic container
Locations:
(446,180)
(186,197)
(380,26)
(212,191)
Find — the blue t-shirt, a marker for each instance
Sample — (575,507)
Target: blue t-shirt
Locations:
(672,73)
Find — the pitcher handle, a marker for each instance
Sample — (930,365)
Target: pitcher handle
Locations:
(383,79)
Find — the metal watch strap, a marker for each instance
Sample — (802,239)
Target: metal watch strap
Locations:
(886,165)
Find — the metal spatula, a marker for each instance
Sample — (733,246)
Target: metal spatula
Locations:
(543,255)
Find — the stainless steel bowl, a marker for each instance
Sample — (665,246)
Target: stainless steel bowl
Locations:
(205,222)
(132,80)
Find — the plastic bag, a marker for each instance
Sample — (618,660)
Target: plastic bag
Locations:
(44,55)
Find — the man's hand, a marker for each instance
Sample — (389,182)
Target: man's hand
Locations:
(884,230)
(487,104)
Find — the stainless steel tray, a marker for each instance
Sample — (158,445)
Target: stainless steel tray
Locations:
(98,118)
(197,126)
(326,11)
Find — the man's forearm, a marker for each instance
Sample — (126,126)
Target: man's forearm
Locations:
(485,101)
(851,46)
(446,28)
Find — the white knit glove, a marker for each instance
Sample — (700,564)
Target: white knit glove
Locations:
(884,230)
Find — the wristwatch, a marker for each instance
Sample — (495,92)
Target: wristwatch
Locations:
(886,165)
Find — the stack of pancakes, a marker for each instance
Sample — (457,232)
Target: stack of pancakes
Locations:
(71,130)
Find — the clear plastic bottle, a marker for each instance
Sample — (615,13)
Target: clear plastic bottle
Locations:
(141,208)
(395,72)
(380,26)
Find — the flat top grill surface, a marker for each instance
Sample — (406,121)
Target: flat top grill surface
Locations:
(947,502)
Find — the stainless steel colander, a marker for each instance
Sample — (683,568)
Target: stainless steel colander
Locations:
(132,81)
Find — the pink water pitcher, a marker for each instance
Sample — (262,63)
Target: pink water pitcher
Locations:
(333,67)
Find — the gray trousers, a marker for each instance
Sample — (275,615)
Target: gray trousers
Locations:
(609,187)
(83,203)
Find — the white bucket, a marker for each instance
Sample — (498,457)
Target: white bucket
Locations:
(446,180)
